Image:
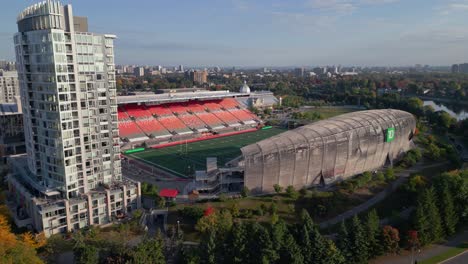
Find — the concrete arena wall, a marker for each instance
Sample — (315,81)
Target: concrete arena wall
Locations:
(328,150)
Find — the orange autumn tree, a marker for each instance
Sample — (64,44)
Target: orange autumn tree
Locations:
(17,250)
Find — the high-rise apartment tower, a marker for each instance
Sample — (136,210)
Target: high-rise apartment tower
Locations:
(71,176)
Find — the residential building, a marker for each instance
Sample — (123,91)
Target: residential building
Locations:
(299,72)
(139,71)
(12,132)
(200,77)
(9,87)
(71,176)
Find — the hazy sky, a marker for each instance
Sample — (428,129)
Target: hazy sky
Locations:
(271,33)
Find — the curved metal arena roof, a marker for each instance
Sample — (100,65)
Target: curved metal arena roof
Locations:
(378,119)
(328,150)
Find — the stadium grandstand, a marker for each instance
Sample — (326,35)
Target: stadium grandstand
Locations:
(164,118)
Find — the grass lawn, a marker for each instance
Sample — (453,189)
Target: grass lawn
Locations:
(184,159)
(447,254)
(327,112)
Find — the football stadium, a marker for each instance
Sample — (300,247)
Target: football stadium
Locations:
(211,139)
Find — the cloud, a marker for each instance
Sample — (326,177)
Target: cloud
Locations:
(453,7)
(344,6)
(301,22)
(240,4)
(442,36)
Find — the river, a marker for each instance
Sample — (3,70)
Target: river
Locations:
(460,112)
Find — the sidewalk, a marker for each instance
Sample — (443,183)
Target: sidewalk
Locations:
(426,253)
(402,177)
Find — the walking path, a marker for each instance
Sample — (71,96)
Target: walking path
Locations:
(402,177)
(426,253)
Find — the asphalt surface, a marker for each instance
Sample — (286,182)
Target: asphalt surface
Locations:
(460,259)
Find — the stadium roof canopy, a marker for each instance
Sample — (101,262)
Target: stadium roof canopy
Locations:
(152,99)
(316,132)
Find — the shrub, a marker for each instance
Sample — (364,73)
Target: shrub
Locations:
(292,193)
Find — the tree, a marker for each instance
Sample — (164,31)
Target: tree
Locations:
(372,229)
(278,188)
(208,248)
(86,254)
(447,210)
(389,174)
(343,243)
(358,241)
(334,255)
(390,239)
(236,244)
(290,252)
(245,192)
(313,244)
(292,193)
(14,250)
(260,246)
(427,218)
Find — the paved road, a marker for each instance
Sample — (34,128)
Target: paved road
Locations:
(402,177)
(460,259)
(426,253)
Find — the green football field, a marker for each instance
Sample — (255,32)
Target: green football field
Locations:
(184,159)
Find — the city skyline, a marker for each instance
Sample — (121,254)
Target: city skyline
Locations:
(272,33)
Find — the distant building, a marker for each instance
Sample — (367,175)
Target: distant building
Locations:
(7,65)
(460,68)
(299,72)
(181,68)
(200,77)
(12,130)
(245,88)
(139,71)
(9,87)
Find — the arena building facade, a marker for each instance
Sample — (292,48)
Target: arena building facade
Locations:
(329,150)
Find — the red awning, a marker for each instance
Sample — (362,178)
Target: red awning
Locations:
(168,193)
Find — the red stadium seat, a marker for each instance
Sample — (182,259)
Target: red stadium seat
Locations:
(209,119)
(229,103)
(212,105)
(128,129)
(121,114)
(196,108)
(152,126)
(159,110)
(177,108)
(192,121)
(137,111)
(172,123)
(227,117)
(243,115)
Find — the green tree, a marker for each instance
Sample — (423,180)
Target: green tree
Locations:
(447,210)
(372,229)
(208,254)
(343,243)
(260,246)
(290,251)
(150,250)
(236,244)
(86,254)
(427,218)
(278,188)
(358,240)
(292,193)
(245,191)
(390,174)
(334,255)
